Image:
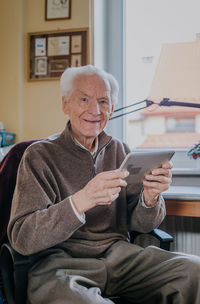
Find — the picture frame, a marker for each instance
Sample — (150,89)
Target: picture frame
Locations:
(76,44)
(57,10)
(76,61)
(50,53)
(58,65)
(41,65)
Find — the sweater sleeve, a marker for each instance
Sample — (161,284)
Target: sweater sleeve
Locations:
(143,219)
(38,221)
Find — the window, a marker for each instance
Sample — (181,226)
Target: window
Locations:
(147,46)
(163,61)
(180,125)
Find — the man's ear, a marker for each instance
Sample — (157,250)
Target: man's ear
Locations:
(111,112)
(65,105)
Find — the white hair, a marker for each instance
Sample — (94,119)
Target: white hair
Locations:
(68,76)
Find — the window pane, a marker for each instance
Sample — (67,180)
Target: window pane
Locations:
(163,61)
(182,124)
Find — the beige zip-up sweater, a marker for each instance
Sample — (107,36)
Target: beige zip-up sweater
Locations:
(42,217)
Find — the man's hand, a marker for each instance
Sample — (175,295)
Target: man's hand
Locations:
(103,189)
(155,183)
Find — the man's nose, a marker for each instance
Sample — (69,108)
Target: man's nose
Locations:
(94,107)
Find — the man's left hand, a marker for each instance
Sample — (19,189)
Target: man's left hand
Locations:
(156,182)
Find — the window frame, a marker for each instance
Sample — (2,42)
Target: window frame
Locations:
(107,22)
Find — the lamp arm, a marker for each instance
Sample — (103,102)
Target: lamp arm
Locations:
(123,114)
(168,103)
(165,102)
(148,103)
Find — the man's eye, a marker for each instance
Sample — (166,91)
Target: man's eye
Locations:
(103,101)
(84,99)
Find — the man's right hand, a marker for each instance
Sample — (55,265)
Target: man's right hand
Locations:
(103,189)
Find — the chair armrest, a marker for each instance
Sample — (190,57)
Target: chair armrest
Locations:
(164,238)
(162,235)
(14,269)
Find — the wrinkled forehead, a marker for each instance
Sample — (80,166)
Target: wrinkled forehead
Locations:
(92,84)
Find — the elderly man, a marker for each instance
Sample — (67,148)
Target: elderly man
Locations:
(72,210)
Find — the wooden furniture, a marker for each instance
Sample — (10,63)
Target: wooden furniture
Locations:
(183,207)
(183,201)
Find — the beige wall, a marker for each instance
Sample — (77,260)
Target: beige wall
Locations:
(9,65)
(30,109)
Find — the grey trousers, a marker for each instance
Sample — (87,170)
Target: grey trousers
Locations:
(140,275)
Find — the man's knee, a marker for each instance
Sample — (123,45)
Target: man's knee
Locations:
(192,266)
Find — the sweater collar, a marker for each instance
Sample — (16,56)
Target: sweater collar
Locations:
(93,153)
(103,138)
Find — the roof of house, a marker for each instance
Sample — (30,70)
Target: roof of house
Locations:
(169,140)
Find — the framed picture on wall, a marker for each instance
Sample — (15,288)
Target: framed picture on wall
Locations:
(50,53)
(41,66)
(57,9)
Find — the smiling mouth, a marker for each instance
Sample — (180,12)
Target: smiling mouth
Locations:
(92,121)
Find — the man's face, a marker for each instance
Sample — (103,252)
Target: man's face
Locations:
(89,107)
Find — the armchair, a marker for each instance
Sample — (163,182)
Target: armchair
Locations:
(13,266)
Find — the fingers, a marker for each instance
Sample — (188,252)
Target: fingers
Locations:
(108,193)
(161,171)
(114,174)
(164,170)
(114,183)
(109,183)
(167,165)
(110,179)
(105,187)
(156,186)
(107,196)
(158,180)
(163,178)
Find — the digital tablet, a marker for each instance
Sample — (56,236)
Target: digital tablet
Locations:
(140,163)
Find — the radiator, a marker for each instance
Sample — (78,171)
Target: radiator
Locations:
(186,233)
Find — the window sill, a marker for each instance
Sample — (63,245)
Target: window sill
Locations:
(183,193)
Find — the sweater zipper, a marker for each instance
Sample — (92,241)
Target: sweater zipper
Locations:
(94,160)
